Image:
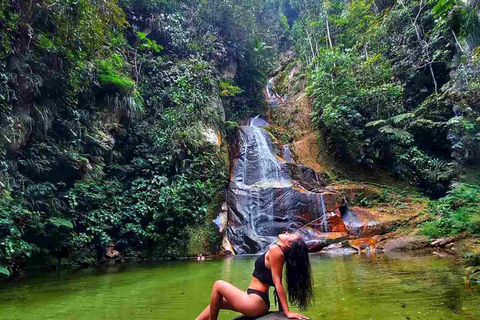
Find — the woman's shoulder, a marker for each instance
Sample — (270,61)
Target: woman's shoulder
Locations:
(276,250)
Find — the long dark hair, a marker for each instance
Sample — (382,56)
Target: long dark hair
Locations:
(298,275)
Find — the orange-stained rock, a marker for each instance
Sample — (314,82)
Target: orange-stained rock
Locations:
(333,200)
(362,243)
(335,223)
(359,222)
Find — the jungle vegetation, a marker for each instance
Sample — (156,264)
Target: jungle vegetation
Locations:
(104,106)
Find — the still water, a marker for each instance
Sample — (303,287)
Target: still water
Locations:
(401,286)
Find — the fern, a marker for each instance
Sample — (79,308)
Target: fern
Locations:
(5,271)
(58,222)
(376,123)
(397,133)
(399,118)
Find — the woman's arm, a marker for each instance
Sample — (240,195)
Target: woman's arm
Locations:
(277,259)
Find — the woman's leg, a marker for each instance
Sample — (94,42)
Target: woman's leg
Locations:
(236,299)
(205,315)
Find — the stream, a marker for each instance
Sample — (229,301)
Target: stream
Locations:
(382,286)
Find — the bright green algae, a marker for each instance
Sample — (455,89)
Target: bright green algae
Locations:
(356,287)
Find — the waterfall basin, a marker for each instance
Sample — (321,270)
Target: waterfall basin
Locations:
(356,287)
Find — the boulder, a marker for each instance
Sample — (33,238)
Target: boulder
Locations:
(317,240)
(442,242)
(361,244)
(342,248)
(404,244)
(359,222)
(269,316)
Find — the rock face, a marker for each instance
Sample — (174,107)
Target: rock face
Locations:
(268,316)
(268,195)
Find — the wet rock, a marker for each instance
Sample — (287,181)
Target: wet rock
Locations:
(405,244)
(362,244)
(442,242)
(472,275)
(317,240)
(451,246)
(222,217)
(268,316)
(229,69)
(263,201)
(258,122)
(360,223)
(341,248)
(336,223)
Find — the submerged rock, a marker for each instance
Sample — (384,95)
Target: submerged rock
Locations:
(269,316)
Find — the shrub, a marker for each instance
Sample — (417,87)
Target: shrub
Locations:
(457,212)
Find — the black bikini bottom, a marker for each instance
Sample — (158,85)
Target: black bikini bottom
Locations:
(262,295)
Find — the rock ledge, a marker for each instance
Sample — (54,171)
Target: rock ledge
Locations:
(269,316)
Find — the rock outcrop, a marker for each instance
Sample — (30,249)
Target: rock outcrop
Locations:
(268,195)
(268,316)
(405,244)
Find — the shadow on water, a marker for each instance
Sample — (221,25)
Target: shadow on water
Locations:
(393,286)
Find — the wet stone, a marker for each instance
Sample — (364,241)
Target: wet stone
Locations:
(268,316)
(405,243)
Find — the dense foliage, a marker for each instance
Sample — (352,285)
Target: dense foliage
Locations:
(113,113)
(107,112)
(458,211)
(395,84)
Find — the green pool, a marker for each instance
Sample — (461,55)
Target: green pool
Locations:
(400,286)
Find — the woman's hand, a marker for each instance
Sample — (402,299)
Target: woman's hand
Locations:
(294,315)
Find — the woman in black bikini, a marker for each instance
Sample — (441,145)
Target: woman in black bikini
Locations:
(291,250)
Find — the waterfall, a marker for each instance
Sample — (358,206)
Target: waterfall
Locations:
(324,213)
(287,154)
(258,122)
(268,193)
(270,168)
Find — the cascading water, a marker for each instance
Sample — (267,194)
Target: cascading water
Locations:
(287,154)
(265,194)
(268,193)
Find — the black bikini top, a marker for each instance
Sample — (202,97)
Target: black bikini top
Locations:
(261,272)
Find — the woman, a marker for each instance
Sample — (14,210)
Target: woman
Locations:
(289,249)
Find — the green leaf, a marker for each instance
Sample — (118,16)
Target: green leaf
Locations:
(5,271)
(375,123)
(58,222)
(399,118)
